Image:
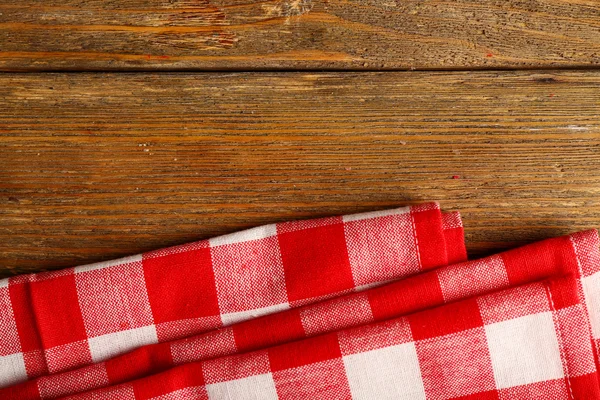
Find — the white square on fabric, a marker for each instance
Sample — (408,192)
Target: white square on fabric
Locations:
(12,369)
(112,344)
(389,373)
(591,288)
(524,350)
(257,387)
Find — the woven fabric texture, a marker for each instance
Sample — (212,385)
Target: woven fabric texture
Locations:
(75,319)
(518,325)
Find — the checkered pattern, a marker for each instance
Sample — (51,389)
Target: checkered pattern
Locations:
(514,325)
(516,343)
(56,321)
(551,258)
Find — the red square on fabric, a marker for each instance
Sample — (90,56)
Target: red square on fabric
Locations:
(455,238)
(322,380)
(24,318)
(563,292)
(27,390)
(188,375)
(181,286)
(585,385)
(540,260)
(263,332)
(431,241)
(55,303)
(308,351)
(405,296)
(456,365)
(315,259)
(126,367)
(446,319)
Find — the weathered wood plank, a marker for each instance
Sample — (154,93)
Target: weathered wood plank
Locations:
(297,34)
(96,166)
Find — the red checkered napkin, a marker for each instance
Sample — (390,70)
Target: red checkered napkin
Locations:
(575,256)
(529,340)
(56,321)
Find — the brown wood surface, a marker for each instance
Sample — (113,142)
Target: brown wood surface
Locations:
(96,166)
(298,34)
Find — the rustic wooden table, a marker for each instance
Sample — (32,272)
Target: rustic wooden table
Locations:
(236,113)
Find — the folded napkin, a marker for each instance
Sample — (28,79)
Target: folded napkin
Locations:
(522,324)
(58,321)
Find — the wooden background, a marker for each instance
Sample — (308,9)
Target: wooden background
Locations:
(297,34)
(98,161)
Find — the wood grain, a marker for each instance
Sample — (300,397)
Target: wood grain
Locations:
(297,34)
(96,166)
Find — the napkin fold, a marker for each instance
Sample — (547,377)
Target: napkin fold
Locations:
(370,306)
(66,320)
(521,324)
